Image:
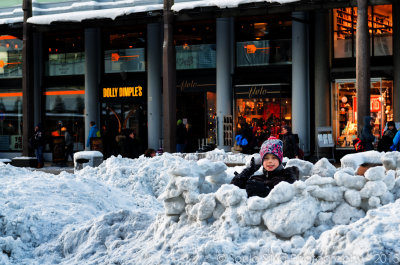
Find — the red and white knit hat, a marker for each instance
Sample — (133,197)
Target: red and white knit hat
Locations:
(272,146)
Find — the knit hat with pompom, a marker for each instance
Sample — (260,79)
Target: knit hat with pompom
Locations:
(272,146)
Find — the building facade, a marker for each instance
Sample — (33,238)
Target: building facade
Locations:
(253,66)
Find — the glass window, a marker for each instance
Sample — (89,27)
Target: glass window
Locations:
(125,52)
(10,57)
(345,121)
(264,115)
(65,56)
(264,42)
(11,120)
(380,29)
(195,46)
(65,107)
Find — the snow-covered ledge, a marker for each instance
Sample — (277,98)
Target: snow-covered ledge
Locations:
(324,197)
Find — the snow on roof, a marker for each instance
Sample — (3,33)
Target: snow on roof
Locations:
(77,11)
(180,5)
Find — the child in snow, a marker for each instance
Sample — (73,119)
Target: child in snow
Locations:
(271,155)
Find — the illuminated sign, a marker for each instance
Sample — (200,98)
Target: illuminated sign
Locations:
(122,92)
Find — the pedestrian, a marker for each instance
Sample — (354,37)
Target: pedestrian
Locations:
(37,142)
(290,147)
(129,146)
(387,138)
(367,137)
(181,135)
(69,144)
(271,154)
(93,132)
(150,153)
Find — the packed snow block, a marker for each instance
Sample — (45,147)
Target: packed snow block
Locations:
(256,203)
(221,178)
(281,193)
(390,160)
(373,188)
(387,198)
(190,169)
(374,202)
(87,158)
(320,181)
(353,197)
(390,179)
(305,167)
(190,197)
(375,173)
(249,217)
(211,168)
(218,210)
(349,181)
(330,194)
(230,195)
(345,214)
(327,206)
(323,218)
(206,206)
(356,159)
(324,168)
(174,206)
(292,218)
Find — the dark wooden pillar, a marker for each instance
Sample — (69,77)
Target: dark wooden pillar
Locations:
(27,80)
(362,64)
(169,81)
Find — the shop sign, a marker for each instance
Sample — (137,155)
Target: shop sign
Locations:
(260,91)
(191,85)
(375,103)
(122,92)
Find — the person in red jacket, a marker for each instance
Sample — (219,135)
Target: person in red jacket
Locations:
(271,154)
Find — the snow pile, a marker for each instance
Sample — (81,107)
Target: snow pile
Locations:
(35,207)
(357,159)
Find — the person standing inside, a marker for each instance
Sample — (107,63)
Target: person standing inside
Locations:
(290,149)
(38,144)
(69,144)
(181,135)
(387,138)
(130,146)
(93,132)
(367,137)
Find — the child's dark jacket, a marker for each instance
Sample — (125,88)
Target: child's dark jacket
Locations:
(261,185)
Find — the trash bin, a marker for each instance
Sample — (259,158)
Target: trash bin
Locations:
(87,158)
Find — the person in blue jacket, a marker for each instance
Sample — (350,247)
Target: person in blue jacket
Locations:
(93,132)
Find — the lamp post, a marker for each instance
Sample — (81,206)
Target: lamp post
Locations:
(169,80)
(27,79)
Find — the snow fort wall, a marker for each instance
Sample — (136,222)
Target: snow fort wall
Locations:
(324,197)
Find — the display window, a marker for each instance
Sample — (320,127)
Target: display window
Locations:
(195,45)
(263,116)
(263,41)
(10,120)
(125,52)
(345,109)
(64,107)
(380,24)
(10,57)
(65,55)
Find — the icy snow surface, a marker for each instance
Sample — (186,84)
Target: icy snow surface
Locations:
(172,210)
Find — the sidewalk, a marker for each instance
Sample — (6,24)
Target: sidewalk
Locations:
(50,167)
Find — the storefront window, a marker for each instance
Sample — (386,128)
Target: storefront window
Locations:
(10,57)
(380,29)
(64,108)
(211,116)
(125,52)
(264,109)
(11,120)
(65,56)
(195,46)
(263,42)
(345,121)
